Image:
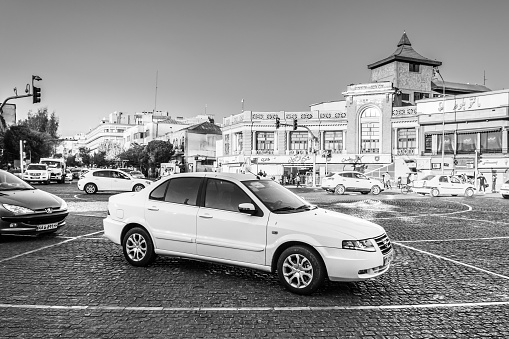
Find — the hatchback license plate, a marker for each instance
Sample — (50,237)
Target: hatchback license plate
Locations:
(47,227)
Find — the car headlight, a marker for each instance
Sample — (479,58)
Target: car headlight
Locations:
(63,206)
(17,209)
(360,245)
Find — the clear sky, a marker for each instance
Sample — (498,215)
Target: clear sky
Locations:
(100,56)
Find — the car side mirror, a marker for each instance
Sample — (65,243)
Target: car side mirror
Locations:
(247,208)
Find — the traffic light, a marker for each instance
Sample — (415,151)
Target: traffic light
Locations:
(294,124)
(278,122)
(37,95)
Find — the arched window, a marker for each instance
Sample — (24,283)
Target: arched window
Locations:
(370,130)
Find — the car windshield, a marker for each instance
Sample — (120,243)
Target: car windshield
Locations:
(277,198)
(50,163)
(10,182)
(428,177)
(36,168)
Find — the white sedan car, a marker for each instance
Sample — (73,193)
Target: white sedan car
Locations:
(436,185)
(504,190)
(110,180)
(238,219)
(351,181)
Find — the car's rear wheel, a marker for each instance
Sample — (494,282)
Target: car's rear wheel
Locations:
(90,188)
(435,192)
(138,247)
(364,192)
(301,270)
(375,190)
(340,189)
(469,192)
(138,187)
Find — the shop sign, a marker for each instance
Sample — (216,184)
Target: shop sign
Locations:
(494,163)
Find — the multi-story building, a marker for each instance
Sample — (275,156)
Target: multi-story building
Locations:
(378,127)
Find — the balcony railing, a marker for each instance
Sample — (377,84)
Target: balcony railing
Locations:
(406,151)
(472,152)
(264,151)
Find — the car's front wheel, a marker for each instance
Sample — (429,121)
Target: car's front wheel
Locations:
(435,192)
(90,188)
(138,187)
(340,189)
(137,247)
(375,190)
(300,270)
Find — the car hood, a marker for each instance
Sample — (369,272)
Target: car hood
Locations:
(33,199)
(329,224)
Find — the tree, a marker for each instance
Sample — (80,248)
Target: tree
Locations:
(111,149)
(84,156)
(133,156)
(37,144)
(99,159)
(41,122)
(158,151)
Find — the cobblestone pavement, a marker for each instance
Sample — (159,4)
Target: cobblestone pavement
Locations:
(450,279)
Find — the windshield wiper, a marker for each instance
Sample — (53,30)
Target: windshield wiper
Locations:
(306,207)
(286,208)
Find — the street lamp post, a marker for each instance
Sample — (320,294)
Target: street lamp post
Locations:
(437,71)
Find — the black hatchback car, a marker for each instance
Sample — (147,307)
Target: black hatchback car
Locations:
(27,210)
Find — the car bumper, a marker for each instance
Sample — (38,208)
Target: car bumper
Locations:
(504,191)
(14,228)
(33,179)
(352,265)
(113,230)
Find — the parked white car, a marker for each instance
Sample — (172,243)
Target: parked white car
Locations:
(37,173)
(436,185)
(504,190)
(351,181)
(238,219)
(110,180)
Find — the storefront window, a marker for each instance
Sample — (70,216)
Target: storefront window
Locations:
(491,142)
(466,143)
(406,138)
(370,131)
(334,140)
(428,143)
(448,143)
(299,140)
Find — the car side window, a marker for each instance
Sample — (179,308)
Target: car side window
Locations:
(183,191)
(101,174)
(159,192)
(224,195)
(455,180)
(119,175)
(443,179)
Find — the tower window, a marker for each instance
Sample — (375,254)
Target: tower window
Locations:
(413,67)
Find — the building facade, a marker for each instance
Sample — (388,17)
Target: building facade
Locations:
(394,123)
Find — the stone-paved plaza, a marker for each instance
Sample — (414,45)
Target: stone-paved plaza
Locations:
(449,279)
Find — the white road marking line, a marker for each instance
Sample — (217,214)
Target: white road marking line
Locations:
(49,246)
(452,260)
(446,240)
(427,215)
(261,308)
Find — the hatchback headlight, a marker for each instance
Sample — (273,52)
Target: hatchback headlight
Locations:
(17,209)
(64,205)
(360,245)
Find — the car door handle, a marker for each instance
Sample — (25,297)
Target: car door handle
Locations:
(206,216)
(153,208)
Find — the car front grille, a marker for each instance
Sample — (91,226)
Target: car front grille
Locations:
(384,243)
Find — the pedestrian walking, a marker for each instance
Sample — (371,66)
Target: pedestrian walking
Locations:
(297,180)
(494,183)
(482,183)
(387,180)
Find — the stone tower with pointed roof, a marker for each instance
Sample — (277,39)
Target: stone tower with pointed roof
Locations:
(408,71)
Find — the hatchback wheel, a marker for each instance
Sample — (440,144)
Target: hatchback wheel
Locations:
(469,192)
(137,247)
(90,188)
(138,187)
(375,190)
(340,189)
(300,270)
(435,192)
